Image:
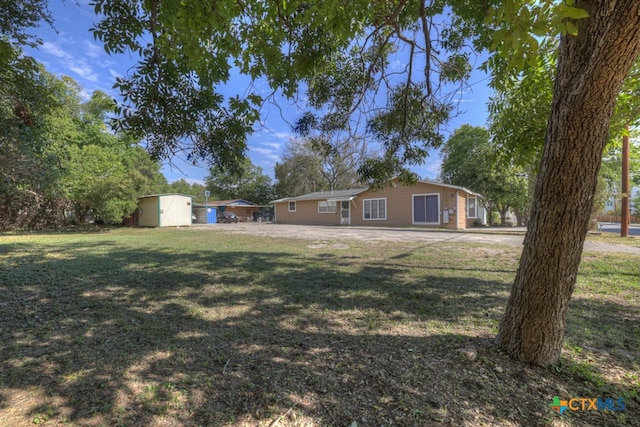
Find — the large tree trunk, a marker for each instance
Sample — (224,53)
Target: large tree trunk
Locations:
(591,69)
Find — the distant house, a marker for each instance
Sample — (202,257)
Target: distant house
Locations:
(613,203)
(426,204)
(243,209)
(163,210)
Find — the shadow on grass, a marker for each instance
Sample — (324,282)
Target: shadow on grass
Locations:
(101,333)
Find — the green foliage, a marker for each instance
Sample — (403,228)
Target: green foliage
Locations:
(171,94)
(519,112)
(469,160)
(31,170)
(339,52)
(195,190)
(59,155)
(611,171)
(519,27)
(331,156)
(314,163)
(15,17)
(299,171)
(250,184)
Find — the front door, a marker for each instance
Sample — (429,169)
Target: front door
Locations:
(345,213)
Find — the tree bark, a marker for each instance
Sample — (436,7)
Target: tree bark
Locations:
(590,73)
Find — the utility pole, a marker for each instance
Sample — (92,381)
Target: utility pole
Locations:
(624,220)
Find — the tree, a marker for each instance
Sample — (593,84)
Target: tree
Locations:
(340,155)
(30,115)
(183,187)
(519,115)
(143,171)
(469,161)
(251,184)
(592,65)
(29,173)
(104,172)
(66,159)
(315,163)
(299,170)
(340,51)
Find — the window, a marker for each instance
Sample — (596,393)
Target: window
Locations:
(292,206)
(327,207)
(472,207)
(375,209)
(426,209)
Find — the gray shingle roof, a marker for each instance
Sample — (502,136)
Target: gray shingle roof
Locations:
(324,195)
(346,194)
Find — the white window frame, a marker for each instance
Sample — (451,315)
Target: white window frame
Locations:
(294,206)
(413,211)
(327,204)
(377,200)
(475,207)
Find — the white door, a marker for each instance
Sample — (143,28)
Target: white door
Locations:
(345,213)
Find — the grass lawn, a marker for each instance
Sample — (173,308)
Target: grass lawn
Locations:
(139,327)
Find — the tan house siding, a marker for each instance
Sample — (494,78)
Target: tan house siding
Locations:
(390,206)
(399,204)
(462,209)
(306,213)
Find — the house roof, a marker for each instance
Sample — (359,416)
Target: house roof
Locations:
(335,195)
(454,187)
(339,195)
(230,203)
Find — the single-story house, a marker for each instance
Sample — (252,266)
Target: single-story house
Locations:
(428,204)
(164,210)
(244,209)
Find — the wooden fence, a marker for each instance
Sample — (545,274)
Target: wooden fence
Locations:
(633,219)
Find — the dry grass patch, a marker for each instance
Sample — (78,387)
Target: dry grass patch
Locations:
(188,328)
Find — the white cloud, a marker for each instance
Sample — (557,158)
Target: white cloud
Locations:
(115,74)
(266,153)
(55,50)
(274,145)
(93,50)
(283,135)
(84,71)
(76,62)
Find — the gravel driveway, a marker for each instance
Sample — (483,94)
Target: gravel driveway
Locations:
(333,233)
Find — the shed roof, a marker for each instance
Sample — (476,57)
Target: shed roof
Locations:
(164,194)
(230,203)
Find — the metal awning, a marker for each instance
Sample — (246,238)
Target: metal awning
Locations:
(341,199)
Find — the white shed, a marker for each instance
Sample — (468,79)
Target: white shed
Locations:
(164,210)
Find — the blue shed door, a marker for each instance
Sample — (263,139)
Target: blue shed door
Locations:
(211,216)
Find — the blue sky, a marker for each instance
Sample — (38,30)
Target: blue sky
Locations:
(72,51)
